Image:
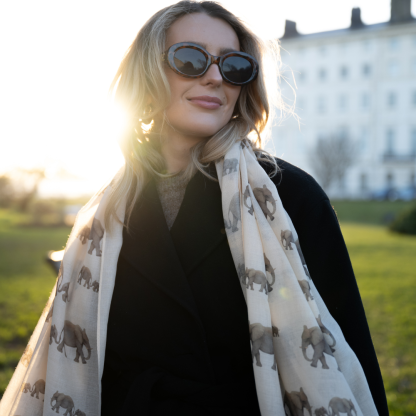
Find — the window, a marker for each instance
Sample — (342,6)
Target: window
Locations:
(364,137)
(391,99)
(343,102)
(366,69)
(413,141)
(363,182)
(343,72)
(389,180)
(394,44)
(321,105)
(390,141)
(412,181)
(322,74)
(365,100)
(394,69)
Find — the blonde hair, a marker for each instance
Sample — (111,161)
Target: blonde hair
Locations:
(141,78)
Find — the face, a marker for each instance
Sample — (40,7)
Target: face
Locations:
(188,113)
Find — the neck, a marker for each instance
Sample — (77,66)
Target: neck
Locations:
(176,150)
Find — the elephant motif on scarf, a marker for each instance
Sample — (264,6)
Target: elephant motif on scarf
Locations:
(95,234)
(95,286)
(268,267)
(234,208)
(50,313)
(262,195)
(26,388)
(38,387)
(325,330)
(321,411)
(74,337)
(85,274)
(229,165)
(257,276)
(60,287)
(246,196)
(53,335)
(338,405)
(315,338)
(64,401)
(287,239)
(306,289)
(64,288)
(262,340)
(296,401)
(79,413)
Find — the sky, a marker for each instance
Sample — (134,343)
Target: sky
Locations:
(58,59)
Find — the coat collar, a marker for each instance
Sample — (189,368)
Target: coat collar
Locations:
(166,258)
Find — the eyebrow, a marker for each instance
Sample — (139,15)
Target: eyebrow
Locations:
(223,51)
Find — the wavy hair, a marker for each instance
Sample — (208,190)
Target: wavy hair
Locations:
(141,79)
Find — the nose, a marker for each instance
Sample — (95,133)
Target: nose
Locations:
(212,76)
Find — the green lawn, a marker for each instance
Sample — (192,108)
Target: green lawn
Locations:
(384,264)
(26,282)
(369,212)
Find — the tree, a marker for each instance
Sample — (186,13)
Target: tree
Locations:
(331,157)
(6,191)
(19,187)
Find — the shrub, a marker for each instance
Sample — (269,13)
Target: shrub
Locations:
(405,222)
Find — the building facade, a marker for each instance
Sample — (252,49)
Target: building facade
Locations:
(357,83)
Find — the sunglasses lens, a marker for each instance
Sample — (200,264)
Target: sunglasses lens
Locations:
(190,61)
(237,69)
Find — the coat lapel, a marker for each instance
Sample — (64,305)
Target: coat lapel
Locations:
(150,249)
(199,225)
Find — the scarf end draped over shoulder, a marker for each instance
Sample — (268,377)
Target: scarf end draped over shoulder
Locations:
(300,357)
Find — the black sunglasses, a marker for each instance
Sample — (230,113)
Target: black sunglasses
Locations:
(192,61)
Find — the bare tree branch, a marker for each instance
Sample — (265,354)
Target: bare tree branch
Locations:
(331,157)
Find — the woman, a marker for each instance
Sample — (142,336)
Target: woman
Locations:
(185,289)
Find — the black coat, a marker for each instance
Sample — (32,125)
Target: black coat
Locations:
(178,341)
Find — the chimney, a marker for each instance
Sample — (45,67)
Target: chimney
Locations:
(290,30)
(356,21)
(400,11)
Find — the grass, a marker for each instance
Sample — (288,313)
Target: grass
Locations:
(25,284)
(384,265)
(369,212)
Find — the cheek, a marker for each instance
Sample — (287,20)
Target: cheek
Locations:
(232,95)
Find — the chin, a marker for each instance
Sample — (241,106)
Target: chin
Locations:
(200,128)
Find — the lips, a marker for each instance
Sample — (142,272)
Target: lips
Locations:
(206,101)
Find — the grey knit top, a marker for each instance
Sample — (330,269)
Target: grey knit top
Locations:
(171,192)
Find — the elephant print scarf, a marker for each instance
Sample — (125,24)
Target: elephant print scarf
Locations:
(300,357)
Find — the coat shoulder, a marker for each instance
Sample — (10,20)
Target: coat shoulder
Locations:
(294,183)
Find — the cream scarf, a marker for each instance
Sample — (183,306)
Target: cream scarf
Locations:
(301,360)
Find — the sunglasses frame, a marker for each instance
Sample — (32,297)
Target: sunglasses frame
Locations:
(169,55)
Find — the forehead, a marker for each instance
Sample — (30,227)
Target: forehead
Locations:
(215,35)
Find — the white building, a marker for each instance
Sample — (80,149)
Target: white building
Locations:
(360,83)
